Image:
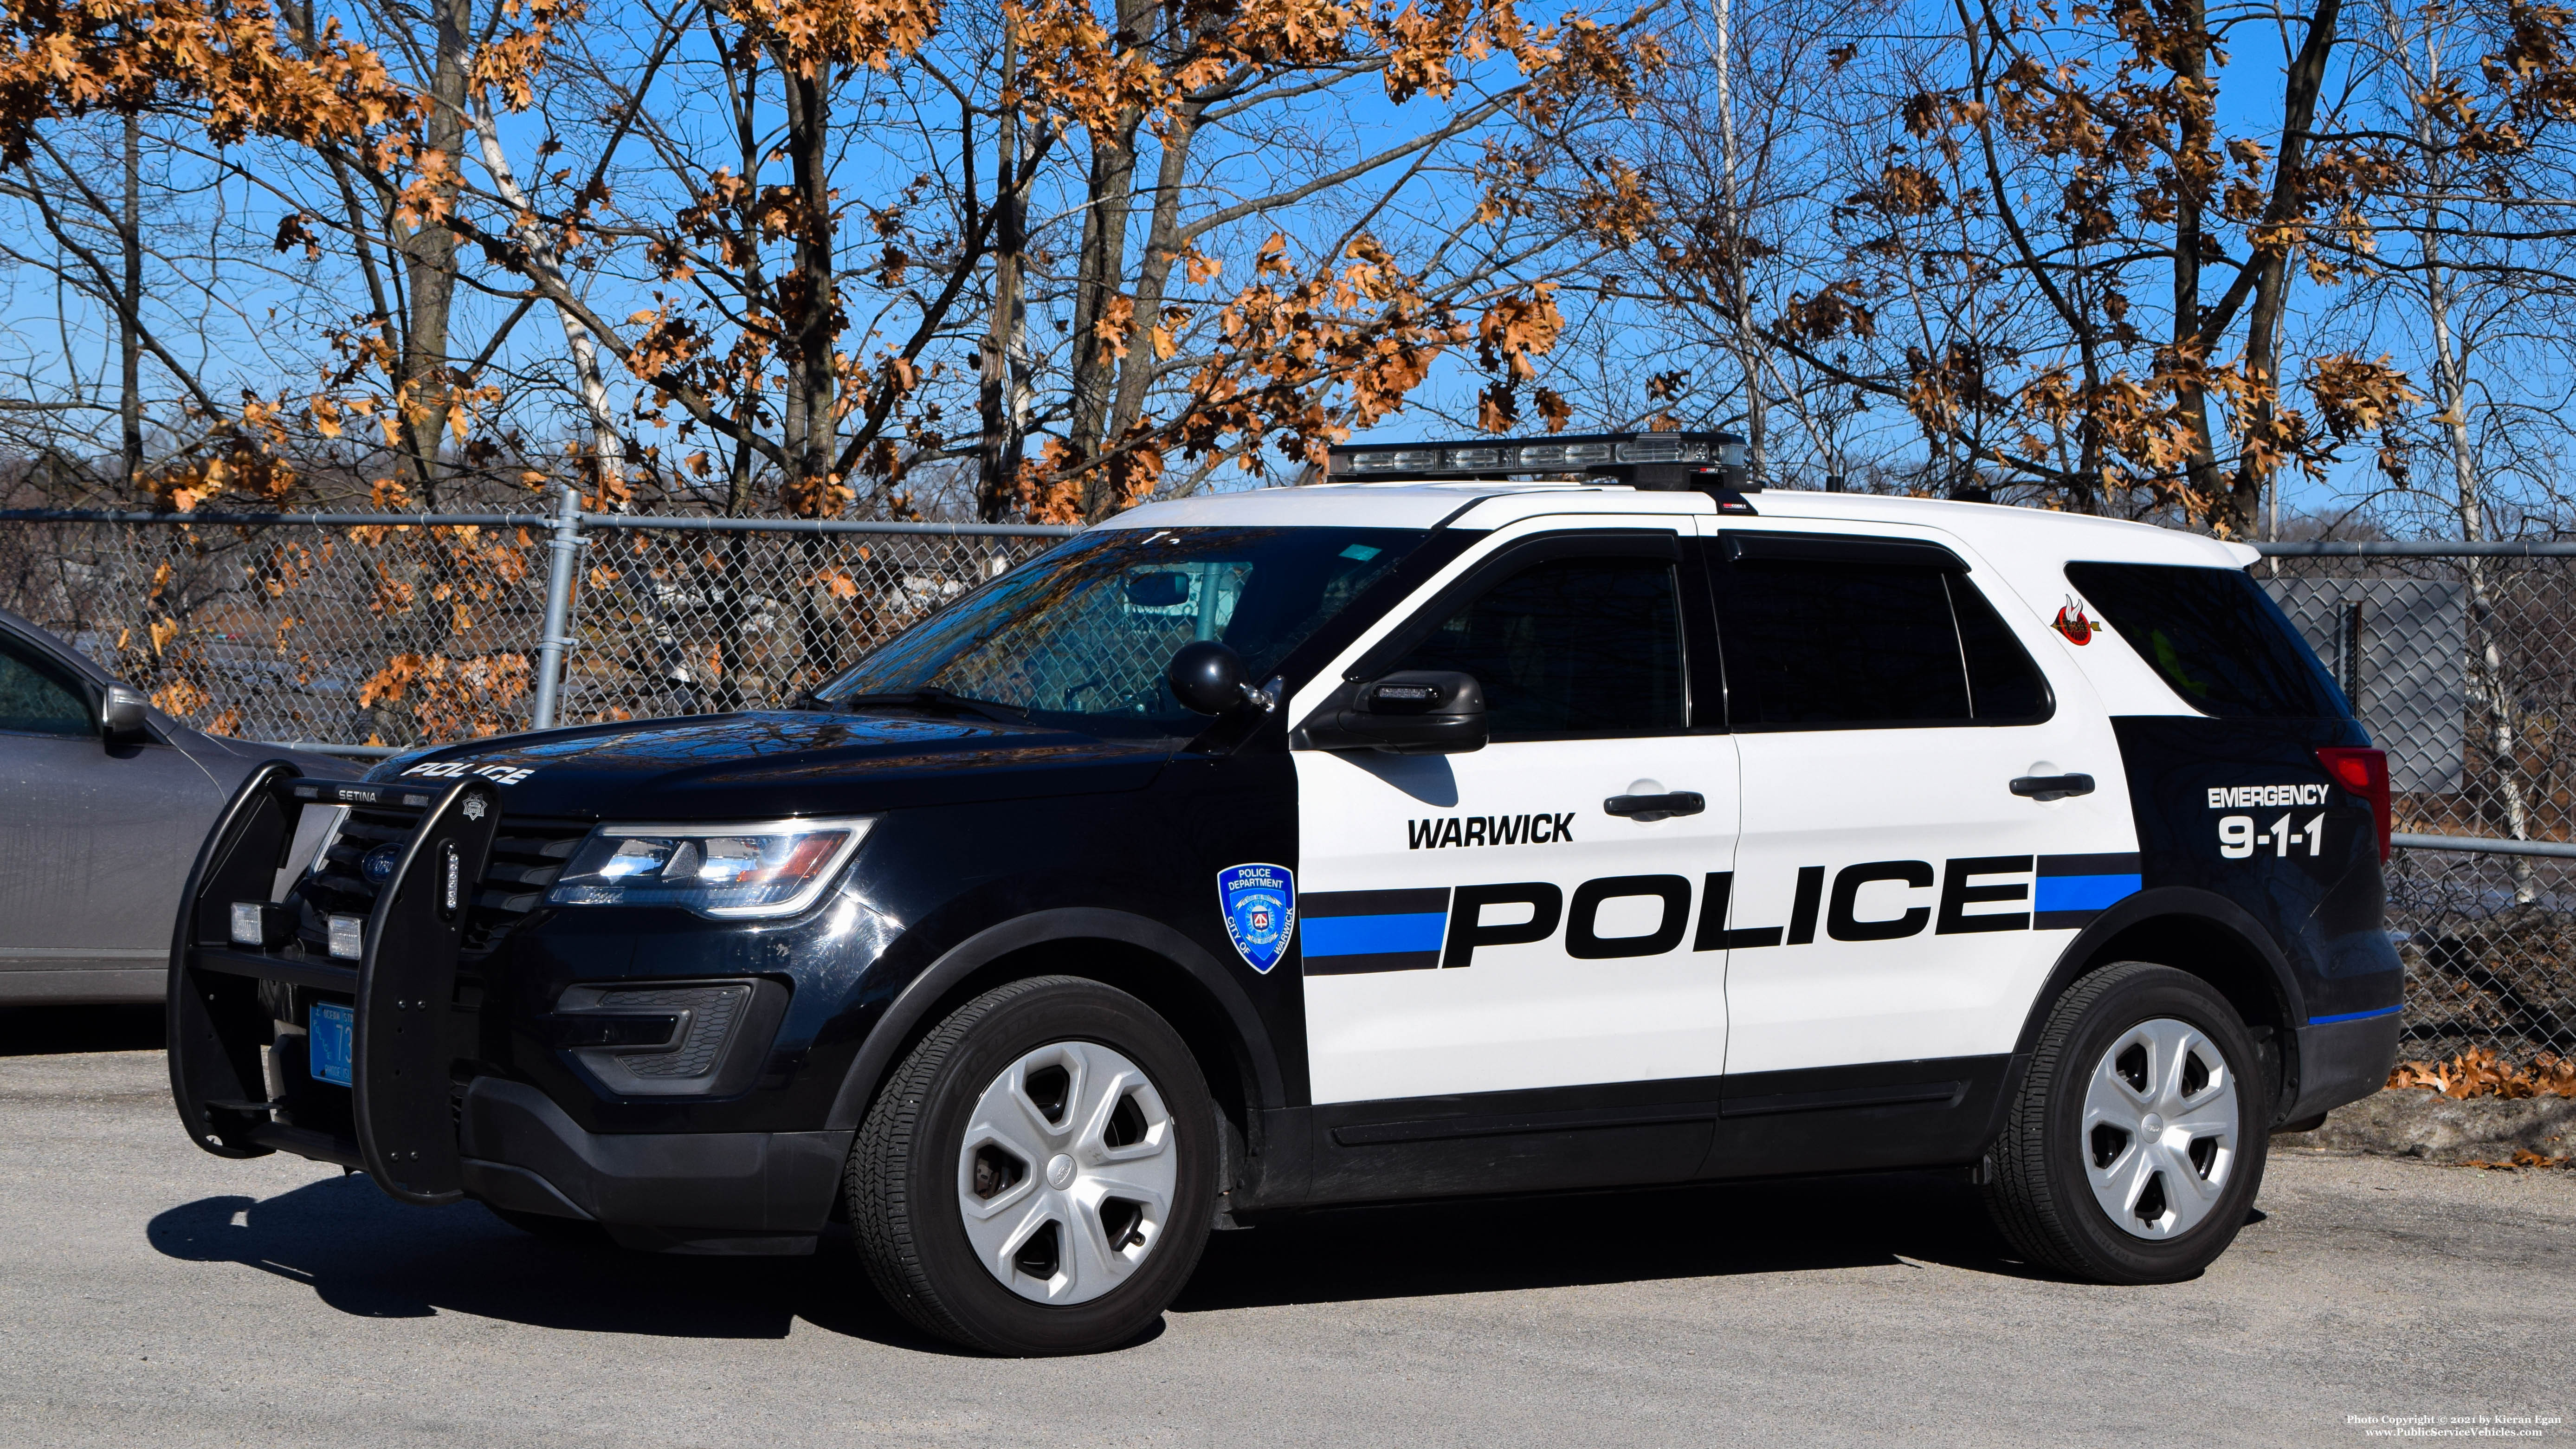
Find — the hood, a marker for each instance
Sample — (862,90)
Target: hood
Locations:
(786,762)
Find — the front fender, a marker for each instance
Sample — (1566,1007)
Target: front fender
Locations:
(911,1007)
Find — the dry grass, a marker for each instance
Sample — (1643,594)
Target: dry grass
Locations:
(2479,1072)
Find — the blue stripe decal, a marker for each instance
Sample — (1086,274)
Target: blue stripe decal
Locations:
(2080,892)
(1372,935)
(2356,1015)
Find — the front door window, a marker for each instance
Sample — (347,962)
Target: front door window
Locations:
(1485,922)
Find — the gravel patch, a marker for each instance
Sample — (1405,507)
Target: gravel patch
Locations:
(2427,1126)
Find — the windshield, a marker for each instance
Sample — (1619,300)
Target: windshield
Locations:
(1079,636)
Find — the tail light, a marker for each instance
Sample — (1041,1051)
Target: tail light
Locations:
(2363,772)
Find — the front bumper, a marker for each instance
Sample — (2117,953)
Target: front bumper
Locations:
(2343,1061)
(424,1112)
(681,1192)
(395,1118)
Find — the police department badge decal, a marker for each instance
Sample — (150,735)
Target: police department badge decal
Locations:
(1260,907)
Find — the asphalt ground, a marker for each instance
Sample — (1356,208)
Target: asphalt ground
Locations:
(151,1294)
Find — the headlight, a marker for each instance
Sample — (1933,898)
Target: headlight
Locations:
(769,868)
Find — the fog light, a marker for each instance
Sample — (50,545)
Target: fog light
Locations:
(648,1040)
(260,925)
(348,937)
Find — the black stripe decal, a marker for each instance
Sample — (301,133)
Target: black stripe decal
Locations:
(1315,904)
(2089,864)
(1357,965)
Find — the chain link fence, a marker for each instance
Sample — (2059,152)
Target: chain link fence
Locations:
(695,620)
(2461,661)
(387,631)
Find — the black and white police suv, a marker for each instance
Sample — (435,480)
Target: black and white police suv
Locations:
(1413,834)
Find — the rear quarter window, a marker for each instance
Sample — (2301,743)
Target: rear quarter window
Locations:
(2214,636)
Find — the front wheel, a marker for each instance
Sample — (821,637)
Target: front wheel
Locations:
(2135,1149)
(1038,1175)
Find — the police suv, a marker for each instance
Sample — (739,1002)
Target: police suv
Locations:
(1493,817)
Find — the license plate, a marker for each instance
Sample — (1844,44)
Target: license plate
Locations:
(332,1036)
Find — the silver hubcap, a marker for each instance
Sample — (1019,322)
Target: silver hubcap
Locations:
(1067,1174)
(2160,1124)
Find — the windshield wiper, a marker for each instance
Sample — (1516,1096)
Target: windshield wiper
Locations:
(932,699)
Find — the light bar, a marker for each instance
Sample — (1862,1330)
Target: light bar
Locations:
(1487,458)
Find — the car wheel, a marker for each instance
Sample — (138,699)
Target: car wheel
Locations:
(1038,1175)
(2136,1146)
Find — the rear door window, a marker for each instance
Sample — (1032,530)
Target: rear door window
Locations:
(2214,636)
(1862,633)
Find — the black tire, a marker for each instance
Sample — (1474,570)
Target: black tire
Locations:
(2038,1187)
(904,1171)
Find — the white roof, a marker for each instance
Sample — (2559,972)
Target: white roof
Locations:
(1998,532)
(2018,555)
(1370,505)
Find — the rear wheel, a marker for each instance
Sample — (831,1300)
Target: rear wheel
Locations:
(2136,1147)
(1038,1175)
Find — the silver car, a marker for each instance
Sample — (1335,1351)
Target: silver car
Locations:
(103,803)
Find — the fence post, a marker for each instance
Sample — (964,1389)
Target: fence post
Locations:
(563,550)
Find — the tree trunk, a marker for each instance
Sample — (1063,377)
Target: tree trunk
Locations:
(811,314)
(1100,271)
(1162,252)
(422,383)
(2237,510)
(1002,355)
(740,496)
(739,686)
(2451,401)
(2188,57)
(1101,274)
(1748,348)
(129,328)
(544,266)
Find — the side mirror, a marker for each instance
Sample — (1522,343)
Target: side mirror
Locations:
(121,714)
(1409,712)
(1207,677)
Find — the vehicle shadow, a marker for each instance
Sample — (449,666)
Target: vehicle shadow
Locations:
(27,1031)
(1421,1249)
(366,1255)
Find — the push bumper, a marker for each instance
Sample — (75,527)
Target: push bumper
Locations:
(395,1118)
(678,1192)
(2343,1061)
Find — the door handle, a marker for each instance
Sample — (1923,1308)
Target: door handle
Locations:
(2052,787)
(1643,808)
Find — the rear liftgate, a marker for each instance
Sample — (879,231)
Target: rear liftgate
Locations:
(400,1124)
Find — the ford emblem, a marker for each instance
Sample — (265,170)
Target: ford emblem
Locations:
(380,862)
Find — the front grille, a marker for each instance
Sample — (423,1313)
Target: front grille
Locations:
(527,855)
